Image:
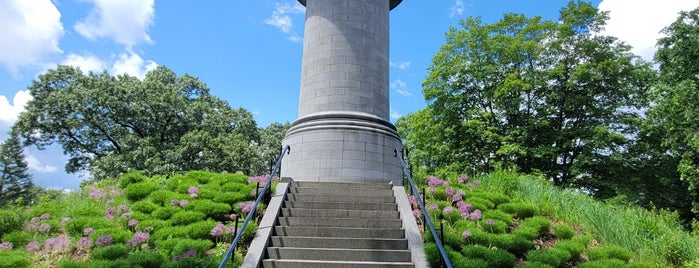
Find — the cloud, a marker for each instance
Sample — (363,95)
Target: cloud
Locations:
(86,63)
(132,64)
(10,111)
(395,114)
(638,23)
(281,20)
(400,87)
(31,30)
(400,65)
(125,21)
(457,9)
(35,165)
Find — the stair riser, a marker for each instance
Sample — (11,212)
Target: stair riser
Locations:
(316,242)
(340,198)
(333,213)
(339,254)
(341,185)
(300,264)
(337,192)
(339,232)
(347,206)
(334,222)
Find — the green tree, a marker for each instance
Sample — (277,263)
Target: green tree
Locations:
(676,97)
(271,143)
(16,182)
(553,97)
(109,125)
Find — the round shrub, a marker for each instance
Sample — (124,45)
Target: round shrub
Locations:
(211,209)
(609,252)
(155,223)
(118,263)
(167,233)
(518,245)
(493,257)
(201,230)
(187,217)
(526,232)
(12,220)
(18,238)
(180,183)
(235,187)
(14,258)
(231,197)
(563,231)
(458,260)
(119,236)
(165,213)
(86,209)
(533,264)
(146,259)
(551,256)
(130,178)
(495,198)
(574,248)
(202,177)
(67,263)
(161,197)
(518,209)
(494,226)
(498,215)
(144,206)
(76,226)
(199,245)
(440,194)
(540,224)
(433,255)
(452,216)
(481,203)
(138,191)
(604,263)
(111,252)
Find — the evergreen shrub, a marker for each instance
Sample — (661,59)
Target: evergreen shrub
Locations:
(551,256)
(563,231)
(518,209)
(144,206)
(137,191)
(18,238)
(111,252)
(187,217)
(14,259)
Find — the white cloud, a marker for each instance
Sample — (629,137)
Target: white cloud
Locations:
(638,23)
(457,9)
(295,38)
(10,111)
(132,64)
(400,65)
(124,21)
(34,164)
(30,32)
(281,20)
(400,87)
(395,114)
(86,63)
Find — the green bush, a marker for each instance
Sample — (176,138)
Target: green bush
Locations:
(540,224)
(609,252)
(563,231)
(146,259)
(170,233)
(86,208)
(178,246)
(498,215)
(12,220)
(144,206)
(481,203)
(575,248)
(161,197)
(67,263)
(141,190)
(201,230)
(111,252)
(533,264)
(440,194)
(518,209)
(130,178)
(552,256)
(187,217)
(497,226)
(604,263)
(432,254)
(217,211)
(231,197)
(155,223)
(118,263)
(76,226)
(18,238)
(526,232)
(165,213)
(14,259)
(180,183)
(119,235)
(237,187)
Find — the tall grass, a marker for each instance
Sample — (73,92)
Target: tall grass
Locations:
(653,236)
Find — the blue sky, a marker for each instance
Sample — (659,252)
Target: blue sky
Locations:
(247,52)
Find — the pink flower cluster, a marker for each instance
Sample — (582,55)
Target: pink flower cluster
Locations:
(246,207)
(83,244)
(181,203)
(97,193)
(138,238)
(261,179)
(5,246)
(104,240)
(60,244)
(433,181)
(193,192)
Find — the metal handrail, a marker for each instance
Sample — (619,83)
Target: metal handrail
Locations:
(254,208)
(416,194)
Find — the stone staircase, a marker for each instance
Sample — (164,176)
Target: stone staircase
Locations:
(333,224)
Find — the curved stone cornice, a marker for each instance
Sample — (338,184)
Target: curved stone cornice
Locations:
(394,3)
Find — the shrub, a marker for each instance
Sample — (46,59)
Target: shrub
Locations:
(161,197)
(249,233)
(533,264)
(433,255)
(502,259)
(458,260)
(201,230)
(155,223)
(211,209)
(165,213)
(230,197)
(86,209)
(604,263)
(563,231)
(111,252)
(498,215)
(130,178)
(440,194)
(119,236)
(235,187)
(14,258)
(146,259)
(118,263)
(171,233)
(76,226)
(494,197)
(18,238)
(609,252)
(552,256)
(144,206)
(12,220)
(138,191)
(187,217)
(178,246)
(481,203)
(518,209)
(540,224)
(526,232)
(494,226)
(67,263)
(573,247)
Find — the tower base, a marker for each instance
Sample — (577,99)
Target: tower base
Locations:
(342,147)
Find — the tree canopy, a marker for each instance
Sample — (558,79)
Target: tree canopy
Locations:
(16,182)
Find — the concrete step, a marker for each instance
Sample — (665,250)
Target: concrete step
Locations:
(340,191)
(332,254)
(339,222)
(341,205)
(336,242)
(390,233)
(269,263)
(340,213)
(341,185)
(340,198)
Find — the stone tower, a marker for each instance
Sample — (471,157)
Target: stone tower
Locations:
(343,132)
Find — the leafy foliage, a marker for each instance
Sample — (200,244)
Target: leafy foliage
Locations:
(16,182)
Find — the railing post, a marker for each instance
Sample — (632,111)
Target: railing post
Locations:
(441,236)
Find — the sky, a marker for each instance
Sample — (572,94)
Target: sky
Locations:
(247,52)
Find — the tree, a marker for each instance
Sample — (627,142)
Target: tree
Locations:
(676,97)
(109,125)
(16,182)
(541,96)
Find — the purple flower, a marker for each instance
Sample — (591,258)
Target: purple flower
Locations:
(412,200)
(133,223)
(476,215)
(44,228)
(5,246)
(126,215)
(58,244)
(83,244)
(65,220)
(433,207)
(229,230)
(261,179)
(104,240)
(416,213)
(45,216)
(176,258)
(190,253)
(465,208)
(463,178)
(450,190)
(490,222)
(447,210)
(466,234)
(97,193)
(109,211)
(123,208)
(174,202)
(217,230)
(246,207)
(193,191)
(114,191)
(88,231)
(138,238)
(432,190)
(183,202)
(32,247)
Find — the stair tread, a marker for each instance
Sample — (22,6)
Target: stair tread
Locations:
(338,262)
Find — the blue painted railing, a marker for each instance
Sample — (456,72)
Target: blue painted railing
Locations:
(231,249)
(428,221)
